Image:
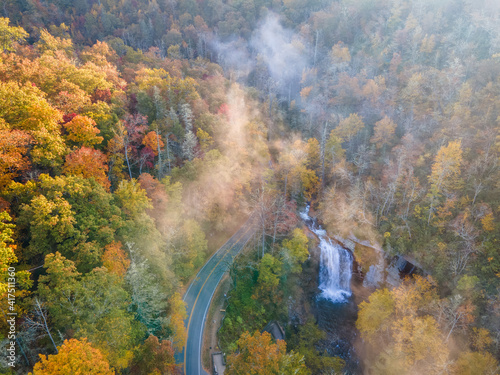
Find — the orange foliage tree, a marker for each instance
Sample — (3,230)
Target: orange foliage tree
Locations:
(115,259)
(154,357)
(14,146)
(87,162)
(74,357)
(152,141)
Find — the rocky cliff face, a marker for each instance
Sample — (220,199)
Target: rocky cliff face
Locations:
(375,266)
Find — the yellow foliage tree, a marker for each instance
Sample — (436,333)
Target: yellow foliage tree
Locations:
(10,35)
(23,107)
(8,256)
(446,168)
(152,141)
(205,139)
(475,363)
(373,317)
(83,131)
(488,222)
(445,175)
(349,127)
(384,132)
(419,341)
(178,314)
(74,357)
(258,355)
(295,251)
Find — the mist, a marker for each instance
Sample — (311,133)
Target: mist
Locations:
(273,59)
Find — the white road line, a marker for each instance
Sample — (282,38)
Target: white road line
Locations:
(214,254)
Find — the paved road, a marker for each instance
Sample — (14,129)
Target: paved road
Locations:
(199,295)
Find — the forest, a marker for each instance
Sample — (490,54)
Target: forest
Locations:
(136,136)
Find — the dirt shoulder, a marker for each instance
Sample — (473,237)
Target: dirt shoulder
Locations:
(213,323)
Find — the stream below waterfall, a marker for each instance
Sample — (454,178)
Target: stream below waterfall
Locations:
(334,305)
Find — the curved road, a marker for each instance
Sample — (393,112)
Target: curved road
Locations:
(199,295)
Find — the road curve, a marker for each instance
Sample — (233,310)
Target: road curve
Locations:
(199,295)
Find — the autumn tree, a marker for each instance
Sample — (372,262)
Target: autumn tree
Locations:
(313,154)
(298,178)
(88,163)
(401,325)
(160,199)
(14,150)
(82,131)
(61,280)
(472,363)
(154,357)
(115,259)
(8,259)
(74,357)
(51,223)
(373,317)
(93,305)
(259,355)
(333,152)
(24,108)
(205,139)
(177,316)
(132,198)
(154,142)
(295,251)
(10,35)
(349,127)
(383,132)
(128,137)
(50,44)
(420,343)
(7,255)
(78,230)
(445,175)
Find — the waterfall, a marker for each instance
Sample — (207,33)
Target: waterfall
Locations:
(335,269)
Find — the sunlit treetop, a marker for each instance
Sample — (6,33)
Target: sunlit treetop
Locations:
(10,35)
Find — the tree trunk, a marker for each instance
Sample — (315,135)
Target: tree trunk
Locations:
(45,323)
(168,153)
(263,237)
(160,168)
(323,141)
(128,163)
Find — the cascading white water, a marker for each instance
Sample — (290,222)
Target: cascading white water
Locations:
(335,268)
